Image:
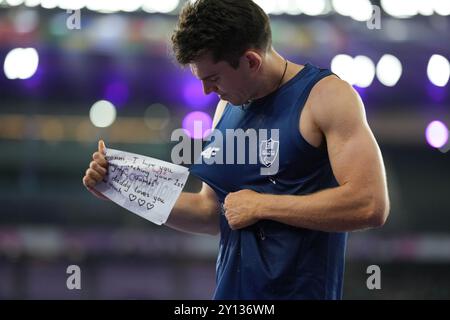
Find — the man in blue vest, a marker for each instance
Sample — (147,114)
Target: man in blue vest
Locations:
(282,235)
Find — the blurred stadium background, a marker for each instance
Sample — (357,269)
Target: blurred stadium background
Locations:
(63,88)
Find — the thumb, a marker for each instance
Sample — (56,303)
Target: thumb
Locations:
(101,147)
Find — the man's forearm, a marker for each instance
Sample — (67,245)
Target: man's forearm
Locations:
(192,213)
(332,210)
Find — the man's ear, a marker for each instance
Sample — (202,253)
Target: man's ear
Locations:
(253,60)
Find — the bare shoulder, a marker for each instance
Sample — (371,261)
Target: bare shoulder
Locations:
(335,103)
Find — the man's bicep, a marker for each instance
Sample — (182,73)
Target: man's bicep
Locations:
(356,158)
(353,151)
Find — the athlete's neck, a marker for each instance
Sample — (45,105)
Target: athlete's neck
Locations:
(275,71)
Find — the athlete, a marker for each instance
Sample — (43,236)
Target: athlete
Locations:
(282,235)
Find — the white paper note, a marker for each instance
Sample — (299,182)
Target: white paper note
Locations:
(145,186)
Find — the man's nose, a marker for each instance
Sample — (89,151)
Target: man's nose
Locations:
(207,89)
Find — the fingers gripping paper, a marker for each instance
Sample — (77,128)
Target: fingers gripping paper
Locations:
(145,186)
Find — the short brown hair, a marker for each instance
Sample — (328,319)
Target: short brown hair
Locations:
(224,28)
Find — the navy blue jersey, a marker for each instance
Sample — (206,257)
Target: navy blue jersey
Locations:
(272,260)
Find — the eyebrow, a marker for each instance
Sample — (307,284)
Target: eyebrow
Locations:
(210,76)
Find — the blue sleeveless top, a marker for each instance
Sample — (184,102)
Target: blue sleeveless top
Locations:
(272,260)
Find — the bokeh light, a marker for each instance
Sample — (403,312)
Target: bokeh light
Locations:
(389,70)
(343,66)
(436,134)
(157,116)
(102,114)
(438,70)
(165,6)
(21,63)
(365,70)
(49,4)
(14,3)
(74,4)
(197,124)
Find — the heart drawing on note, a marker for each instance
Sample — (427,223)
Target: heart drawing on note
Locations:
(145,186)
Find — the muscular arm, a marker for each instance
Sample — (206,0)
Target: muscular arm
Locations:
(198,212)
(361,199)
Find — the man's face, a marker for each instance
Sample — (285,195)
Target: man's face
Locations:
(232,85)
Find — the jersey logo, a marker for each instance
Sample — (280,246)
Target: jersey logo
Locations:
(268,151)
(210,152)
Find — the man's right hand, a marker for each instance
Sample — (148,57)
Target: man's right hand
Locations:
(98,169)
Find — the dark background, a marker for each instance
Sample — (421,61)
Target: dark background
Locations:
(49,221)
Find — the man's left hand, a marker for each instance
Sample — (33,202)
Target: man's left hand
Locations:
(241,208)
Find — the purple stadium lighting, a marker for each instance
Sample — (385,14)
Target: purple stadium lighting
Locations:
(197,124)
(117,92)
(436,134)
(194,96)
(35,81)
(435,93)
